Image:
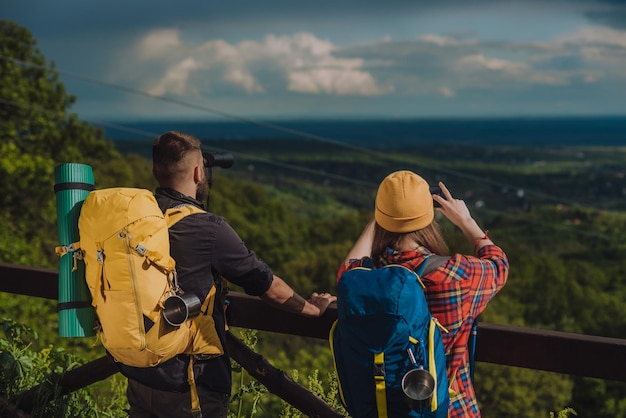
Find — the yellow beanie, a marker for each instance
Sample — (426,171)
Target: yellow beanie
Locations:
(404,203)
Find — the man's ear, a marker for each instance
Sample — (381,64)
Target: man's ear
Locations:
(197,173)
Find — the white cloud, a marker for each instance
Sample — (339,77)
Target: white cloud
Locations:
(460,64)
(596,35)
(446,91)
(245,80)
(480,62)
(512,71)
(483,71)
(439,40)
(340,81)
(175,79)
(602,49)
(498,72)
(305,63)
(158,43)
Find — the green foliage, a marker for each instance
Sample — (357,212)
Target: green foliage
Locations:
(249,398)
(603,399)
(23,368)
(247,393)
(564,413)
(302,247)
(328,392)
(38,133)
(41,314)
(13,248)
(516,392)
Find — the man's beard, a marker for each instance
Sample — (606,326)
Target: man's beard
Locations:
(202,189)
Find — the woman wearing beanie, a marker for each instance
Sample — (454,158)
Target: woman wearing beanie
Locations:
(404,231)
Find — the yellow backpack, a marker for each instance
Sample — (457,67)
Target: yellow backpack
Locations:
(124,242)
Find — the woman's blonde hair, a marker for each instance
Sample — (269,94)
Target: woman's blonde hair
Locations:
(430,237)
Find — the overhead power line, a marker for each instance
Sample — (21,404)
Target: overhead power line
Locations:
(298,133)
(295,132)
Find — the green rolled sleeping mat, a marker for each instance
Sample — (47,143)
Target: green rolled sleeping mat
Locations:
(72,184)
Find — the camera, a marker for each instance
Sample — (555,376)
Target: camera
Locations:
(436,190)
(218,159)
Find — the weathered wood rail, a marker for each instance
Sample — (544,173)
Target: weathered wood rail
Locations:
(553,351)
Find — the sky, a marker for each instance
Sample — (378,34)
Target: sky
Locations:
(279,59)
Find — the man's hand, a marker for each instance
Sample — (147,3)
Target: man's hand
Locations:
(281,295)
(318,302)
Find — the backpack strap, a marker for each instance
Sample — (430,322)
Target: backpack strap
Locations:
(205,309)
(74,249)
(166,264)
(172,216)
(472,347)
(196,411)
(431,263)
(431,359)
(379,380)
(177,213)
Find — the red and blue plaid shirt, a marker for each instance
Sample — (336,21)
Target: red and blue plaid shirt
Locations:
(457,292)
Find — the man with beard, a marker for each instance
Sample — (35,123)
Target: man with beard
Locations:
(206,250)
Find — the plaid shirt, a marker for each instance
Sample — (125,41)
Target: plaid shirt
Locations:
(457,292)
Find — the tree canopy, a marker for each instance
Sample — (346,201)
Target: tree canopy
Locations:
(39,132)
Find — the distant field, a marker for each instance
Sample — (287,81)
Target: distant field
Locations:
(488,177)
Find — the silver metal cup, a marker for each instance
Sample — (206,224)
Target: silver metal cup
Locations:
(178,308)
(418,386)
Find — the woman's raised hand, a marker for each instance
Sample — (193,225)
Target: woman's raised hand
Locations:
(457,212)
(454,209)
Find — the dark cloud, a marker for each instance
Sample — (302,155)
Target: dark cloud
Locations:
(615,19)
(70,16)
(115,17)
(611,2)
(611,13)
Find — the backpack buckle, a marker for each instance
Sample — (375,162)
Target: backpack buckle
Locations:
(379,371)
(141,250)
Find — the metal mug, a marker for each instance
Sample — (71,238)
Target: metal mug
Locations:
(418,386)
(180,307)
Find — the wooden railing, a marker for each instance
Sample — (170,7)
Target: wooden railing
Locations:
(568,353)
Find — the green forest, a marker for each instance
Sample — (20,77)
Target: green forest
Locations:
(300,205)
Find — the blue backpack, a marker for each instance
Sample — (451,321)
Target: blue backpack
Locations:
(383,331)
